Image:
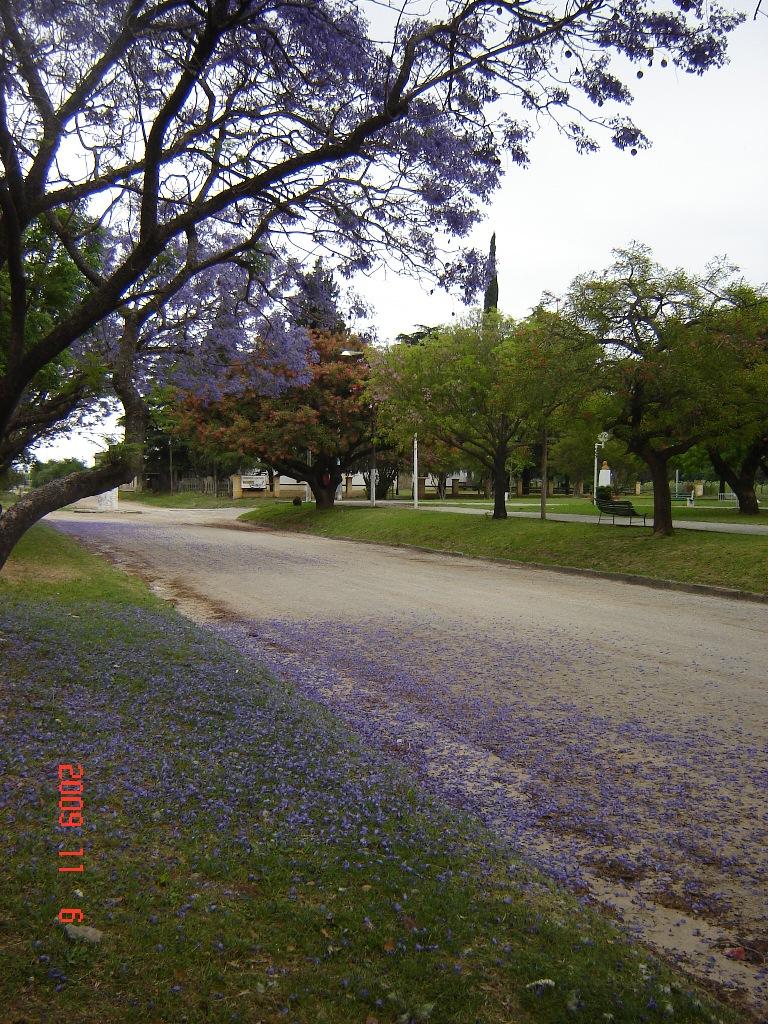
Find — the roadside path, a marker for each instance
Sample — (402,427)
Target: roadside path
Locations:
(616,735)
(569,517)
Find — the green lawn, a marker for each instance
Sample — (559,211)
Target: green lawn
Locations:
(707,510)
(190,499)
(246,858)
(726,560)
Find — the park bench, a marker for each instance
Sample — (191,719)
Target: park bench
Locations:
(623,509)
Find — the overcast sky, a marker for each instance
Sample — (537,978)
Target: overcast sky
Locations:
(701,191)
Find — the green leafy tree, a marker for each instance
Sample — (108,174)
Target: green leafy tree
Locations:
(481,389)
(13,476)
(555,371)
(167,457)
(573,450)
(485,388)
(456,388)
(438,461)
(626,468)
(314,431)
(695,464)
(54,469)
(387,469)
(741,453)
(68,388)
(416,337)
(672,366)
(491,297)
(737,461)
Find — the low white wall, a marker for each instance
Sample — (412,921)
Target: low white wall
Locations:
(106,502)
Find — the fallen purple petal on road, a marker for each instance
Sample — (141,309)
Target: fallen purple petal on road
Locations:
(635,808)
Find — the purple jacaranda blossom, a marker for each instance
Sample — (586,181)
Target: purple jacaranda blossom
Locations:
(572,786)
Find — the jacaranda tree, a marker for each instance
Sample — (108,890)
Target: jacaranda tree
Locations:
(287,126)
(68,389)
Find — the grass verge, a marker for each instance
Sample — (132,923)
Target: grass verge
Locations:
(246,859)
(190,499)
(708,511)
(705,510)
(715,559)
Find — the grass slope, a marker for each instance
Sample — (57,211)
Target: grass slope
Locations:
(189,499)
(705,510)
(245,857)
(725,560)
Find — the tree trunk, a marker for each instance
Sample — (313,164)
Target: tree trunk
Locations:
(662,499)
(544,473)
(500,484)
(19,517)
(741,482)
(324,480)
(385,480)
(120,466)
(748,505)
(526,476)
(325,497)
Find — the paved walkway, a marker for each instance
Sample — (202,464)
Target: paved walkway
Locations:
(566,517)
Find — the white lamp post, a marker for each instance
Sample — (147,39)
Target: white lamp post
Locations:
(373,477)
(415,470)
(599,443)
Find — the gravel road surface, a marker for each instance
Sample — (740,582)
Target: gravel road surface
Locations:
(617,735)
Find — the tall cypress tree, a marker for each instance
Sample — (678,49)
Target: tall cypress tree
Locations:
(491,300)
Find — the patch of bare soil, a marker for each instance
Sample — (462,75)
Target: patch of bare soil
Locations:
(190,603)
(16,571)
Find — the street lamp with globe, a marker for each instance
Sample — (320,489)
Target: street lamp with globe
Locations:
(599,443)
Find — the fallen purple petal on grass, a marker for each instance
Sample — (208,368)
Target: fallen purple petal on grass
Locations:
(584,792)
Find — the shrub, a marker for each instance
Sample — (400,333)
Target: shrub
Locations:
(55,469)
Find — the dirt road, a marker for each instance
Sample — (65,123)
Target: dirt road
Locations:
(615,734)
